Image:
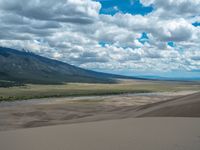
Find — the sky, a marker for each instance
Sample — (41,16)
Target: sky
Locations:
(129,37)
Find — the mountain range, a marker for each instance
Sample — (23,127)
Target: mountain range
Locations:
(27,67)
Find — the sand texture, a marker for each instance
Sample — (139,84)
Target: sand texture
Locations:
(123,134)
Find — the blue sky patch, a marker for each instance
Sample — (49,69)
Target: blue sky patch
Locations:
(144,38)
(172,44)
(104,43)
(196,24)
(111,7)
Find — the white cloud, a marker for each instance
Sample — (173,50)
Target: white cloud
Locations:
(73,31)
(173,8)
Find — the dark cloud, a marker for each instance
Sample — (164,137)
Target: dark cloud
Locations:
(61,10)
(46,25)
(76,20)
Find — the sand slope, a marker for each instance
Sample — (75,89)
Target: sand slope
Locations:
(157,133)
(47,112)
(184,106)
(125,134)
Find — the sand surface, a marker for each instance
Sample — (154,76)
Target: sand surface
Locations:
(45,112)
(127,122)
(182,106)
(123,134)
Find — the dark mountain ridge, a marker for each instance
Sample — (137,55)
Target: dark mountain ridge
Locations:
(27,67)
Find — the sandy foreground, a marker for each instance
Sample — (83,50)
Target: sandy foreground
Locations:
(129,122)
(123,134)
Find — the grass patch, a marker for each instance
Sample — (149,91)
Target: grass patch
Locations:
(7,84)
(32,91)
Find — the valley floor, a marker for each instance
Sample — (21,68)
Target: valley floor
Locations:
(53,111)
(35,91)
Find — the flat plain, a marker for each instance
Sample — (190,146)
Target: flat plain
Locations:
(31,91)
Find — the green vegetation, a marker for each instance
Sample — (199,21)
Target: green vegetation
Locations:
(4,83)
(31,91)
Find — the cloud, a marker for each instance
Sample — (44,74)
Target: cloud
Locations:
(164,30)
(73,31)
(73,11)
(183,8)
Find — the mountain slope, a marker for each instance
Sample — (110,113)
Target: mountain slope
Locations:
(30,68)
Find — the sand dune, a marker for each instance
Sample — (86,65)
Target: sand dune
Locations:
(36,113)
(125,134)
(183,106)
(175,130)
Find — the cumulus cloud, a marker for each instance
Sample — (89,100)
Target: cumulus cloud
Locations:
(75,32)
(75,11)
(183,8)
